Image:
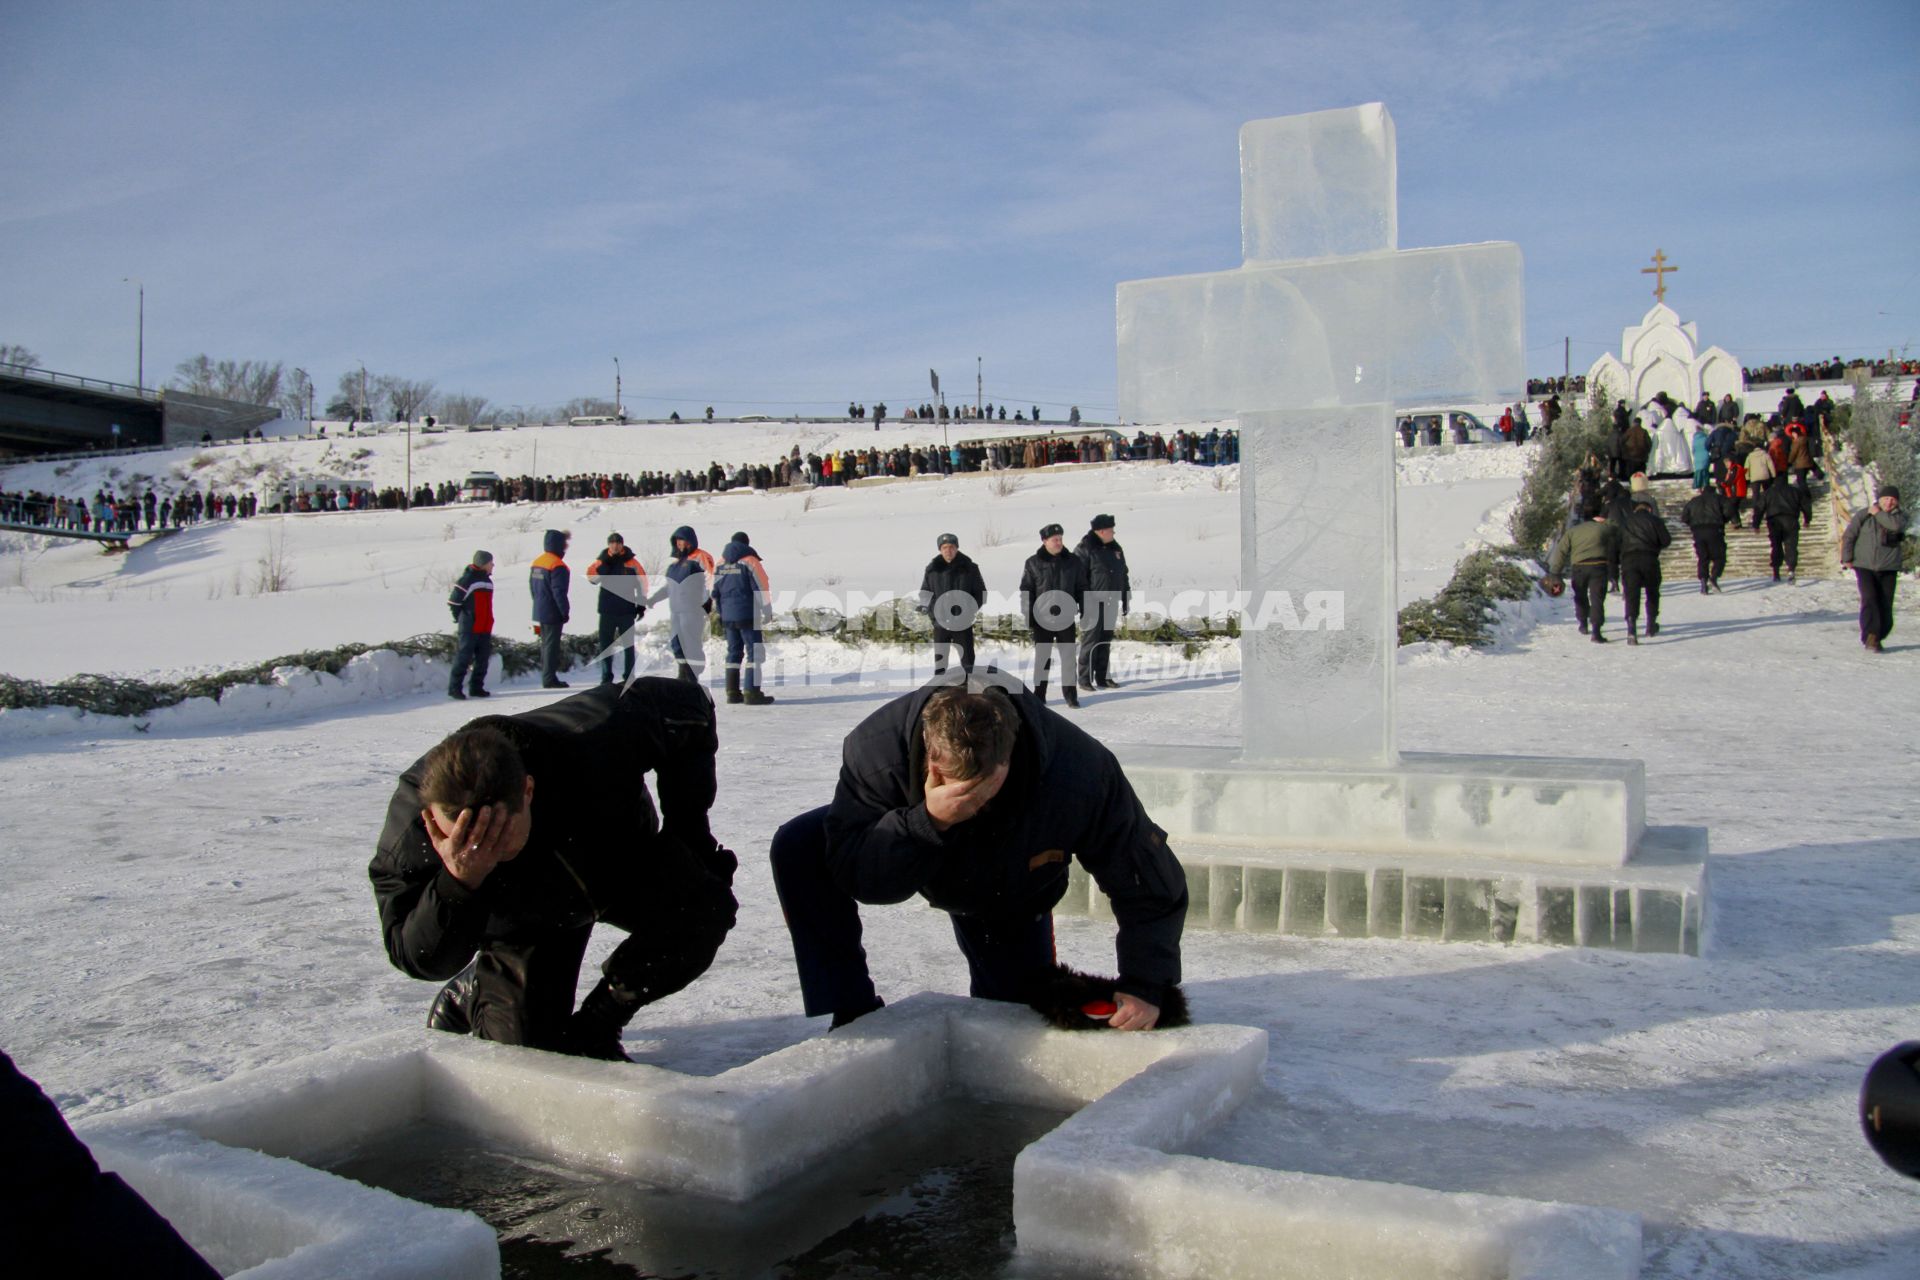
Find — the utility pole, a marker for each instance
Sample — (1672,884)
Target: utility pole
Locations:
(617,415)
(1566,358)
(979,393)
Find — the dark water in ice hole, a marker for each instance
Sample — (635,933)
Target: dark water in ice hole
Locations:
(930,1196)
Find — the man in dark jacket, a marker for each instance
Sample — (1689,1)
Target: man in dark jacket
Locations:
(60,1207)
(739,593)
(1784,506)
(472,603)
(1636,446)
(1053,590)
(472,860)
(1707,516)
(1590,553)
(622,580)
(1643,536)
(1109,592)
(1871,547)
(953,593)
(548,582)
(974,795)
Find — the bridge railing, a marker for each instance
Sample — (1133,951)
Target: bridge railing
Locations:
(35,374)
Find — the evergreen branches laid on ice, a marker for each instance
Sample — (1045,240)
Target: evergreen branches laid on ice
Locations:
(1464,611)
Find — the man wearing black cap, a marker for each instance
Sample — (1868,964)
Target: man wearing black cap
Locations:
(622,580)
(1108,594)
(472,603)
(953,593)
(1871,547)
(1053,590)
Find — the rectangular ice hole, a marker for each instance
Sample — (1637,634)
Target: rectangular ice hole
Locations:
(1623,923)
(1506,910)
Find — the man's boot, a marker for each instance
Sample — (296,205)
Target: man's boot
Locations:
(1633,634)
(1072,695)
(594,1030)
(1653,628)
(453,1008)
(756,697)
(1040,690)
(682,671)
(733,685)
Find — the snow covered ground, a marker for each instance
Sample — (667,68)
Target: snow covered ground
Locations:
(189,900)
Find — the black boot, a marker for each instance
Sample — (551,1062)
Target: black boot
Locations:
(1072,696)
(684,672)
(453,1008)
(1040,691)
(756,697)
(733,685)
(594,1030)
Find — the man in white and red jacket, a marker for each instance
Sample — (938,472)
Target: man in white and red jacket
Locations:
(472,603)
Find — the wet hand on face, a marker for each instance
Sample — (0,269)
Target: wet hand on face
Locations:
(471,842)
(950,802)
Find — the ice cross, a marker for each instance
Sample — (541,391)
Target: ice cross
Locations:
(1311,344)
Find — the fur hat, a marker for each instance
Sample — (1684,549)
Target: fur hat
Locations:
(946,540)
(1102,521)
(1051,531)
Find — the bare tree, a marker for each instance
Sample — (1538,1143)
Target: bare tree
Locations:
(250,381)
(586,407)
(15,354)
(462,407)
(353,398)
(296,395)
(405,396)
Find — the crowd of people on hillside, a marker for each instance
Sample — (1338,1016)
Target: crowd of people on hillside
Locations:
(832,467)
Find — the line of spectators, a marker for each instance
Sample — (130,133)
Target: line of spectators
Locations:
(1829,370)
(835,467)
(110,513)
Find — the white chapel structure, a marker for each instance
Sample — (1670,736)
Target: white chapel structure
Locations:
(1662,354)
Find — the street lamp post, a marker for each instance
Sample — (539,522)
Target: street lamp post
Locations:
(140,349)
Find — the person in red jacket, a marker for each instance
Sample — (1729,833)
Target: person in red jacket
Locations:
(472,603)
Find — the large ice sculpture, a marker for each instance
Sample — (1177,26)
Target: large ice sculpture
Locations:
(1315,825)
(1310,344)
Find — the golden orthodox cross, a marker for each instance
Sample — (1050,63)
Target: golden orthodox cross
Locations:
(1659,271)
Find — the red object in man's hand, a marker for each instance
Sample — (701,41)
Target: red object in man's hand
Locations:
(1099,1009)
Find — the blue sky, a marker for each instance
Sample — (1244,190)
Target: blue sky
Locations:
(776,207)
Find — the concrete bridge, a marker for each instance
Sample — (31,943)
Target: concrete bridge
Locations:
(42,411)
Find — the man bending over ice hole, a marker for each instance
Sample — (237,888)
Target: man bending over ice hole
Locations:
(973,793)
(476,858)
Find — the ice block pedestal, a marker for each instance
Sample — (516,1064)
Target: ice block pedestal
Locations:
(1317,823)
